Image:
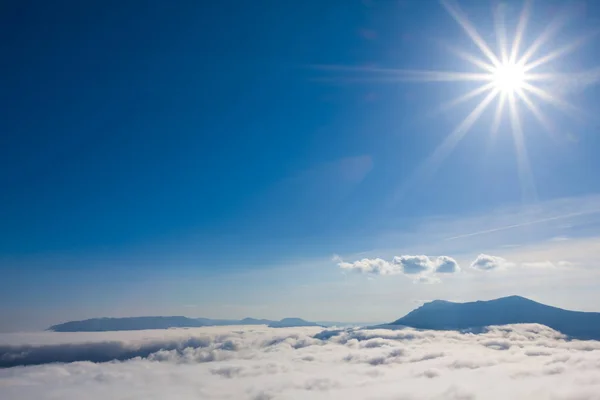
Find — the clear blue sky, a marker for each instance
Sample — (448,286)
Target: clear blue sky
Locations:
(153,154)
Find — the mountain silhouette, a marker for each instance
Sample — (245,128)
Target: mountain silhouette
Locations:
(446,315)
(291,322)
(127,324)
(140,323)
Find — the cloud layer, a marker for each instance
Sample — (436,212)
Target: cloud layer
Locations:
(258,363)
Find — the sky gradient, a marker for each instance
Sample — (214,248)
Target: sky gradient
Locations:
(225,160)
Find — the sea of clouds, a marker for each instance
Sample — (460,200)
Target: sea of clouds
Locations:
(526,361)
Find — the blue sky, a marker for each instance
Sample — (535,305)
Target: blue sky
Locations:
(210,160)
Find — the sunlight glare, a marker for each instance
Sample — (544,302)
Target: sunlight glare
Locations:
(509,77)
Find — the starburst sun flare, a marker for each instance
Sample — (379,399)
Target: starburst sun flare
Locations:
(510,77)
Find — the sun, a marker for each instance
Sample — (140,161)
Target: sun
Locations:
(509,78)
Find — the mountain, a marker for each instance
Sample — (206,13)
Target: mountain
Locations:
(226,322)
(127,324)
(445,315)
(291,322)
(254,321)
(140,323)
(330,324)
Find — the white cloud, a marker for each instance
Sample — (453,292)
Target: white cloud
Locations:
(376,266)
(420,267)
(538,264)
(258,363)
(446,265)
(485,262)
(412,265)
(565,264)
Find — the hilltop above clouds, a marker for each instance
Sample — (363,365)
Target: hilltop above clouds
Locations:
(438,315)
(439,356)
(445,315)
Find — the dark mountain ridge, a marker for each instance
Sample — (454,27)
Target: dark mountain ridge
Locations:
(446,315)
(291,322)
(141,323)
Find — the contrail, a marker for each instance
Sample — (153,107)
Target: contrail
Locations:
(538,221)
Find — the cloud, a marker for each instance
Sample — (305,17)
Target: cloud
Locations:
(485,262)
(446,265)
(259,363)
(538,264)
(376,266)
(412,265)
(101,351)
(420,268)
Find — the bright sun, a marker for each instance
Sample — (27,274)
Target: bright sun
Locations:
(509,77)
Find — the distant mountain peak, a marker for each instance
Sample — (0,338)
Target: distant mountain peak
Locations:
(514,298)
(508,300)
(446,315)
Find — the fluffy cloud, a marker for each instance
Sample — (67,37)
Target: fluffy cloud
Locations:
(425,269)
(376,266)
(257,363)
(446,265)
(412,265)
(421,268)
(485,262)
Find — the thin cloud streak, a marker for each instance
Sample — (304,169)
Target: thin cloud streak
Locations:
(503,228)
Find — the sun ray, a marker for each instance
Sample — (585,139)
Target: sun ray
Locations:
(472,59)
(522,24)
(456,13)
(552,99)
(568,82)
(537,113)
(467,96)
(500,27)
(407,75)
(498,115)
(526,179)
(543,76)
(431,164)
(561,52)
(446,147)
(550,30)
(441,76)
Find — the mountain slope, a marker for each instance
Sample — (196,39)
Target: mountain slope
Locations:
(445,315)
